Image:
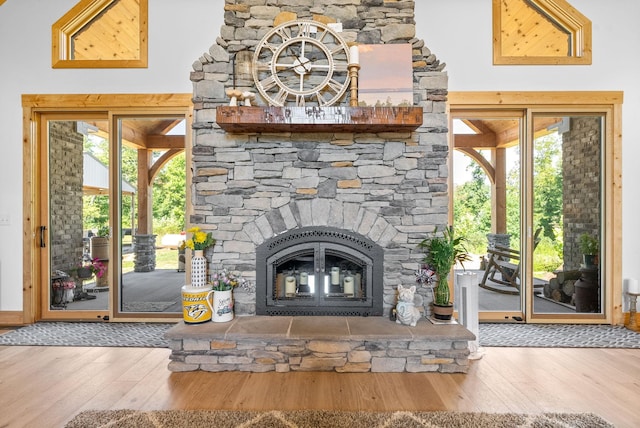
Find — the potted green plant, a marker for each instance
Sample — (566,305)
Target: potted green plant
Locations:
(590,247)
(442,252)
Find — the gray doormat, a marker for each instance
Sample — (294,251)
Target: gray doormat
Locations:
(140,335)
(150,335)
(557,336)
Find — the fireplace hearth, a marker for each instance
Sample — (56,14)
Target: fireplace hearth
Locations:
(319,271)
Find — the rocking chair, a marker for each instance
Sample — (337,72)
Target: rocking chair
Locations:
(503,268)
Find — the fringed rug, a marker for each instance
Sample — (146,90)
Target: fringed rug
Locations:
(328,419)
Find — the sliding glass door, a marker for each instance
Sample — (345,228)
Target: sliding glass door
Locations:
(151,183)
(567,206)
(112,215)
(530,195)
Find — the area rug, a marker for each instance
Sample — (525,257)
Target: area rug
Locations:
(328,419)
(152,335)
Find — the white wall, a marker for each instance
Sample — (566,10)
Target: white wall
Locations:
(179,33)
(457,31)
(467,49)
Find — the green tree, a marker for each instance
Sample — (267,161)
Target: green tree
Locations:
(547,185)
(512,189)
(472,209)
(169,196)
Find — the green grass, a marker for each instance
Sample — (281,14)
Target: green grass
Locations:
(166,258)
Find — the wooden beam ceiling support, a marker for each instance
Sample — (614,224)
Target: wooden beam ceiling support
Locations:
(479,126)
(165,142)
(474,141)
(161,161)
(482,161)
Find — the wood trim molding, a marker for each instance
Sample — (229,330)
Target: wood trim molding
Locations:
(519,99)
(11,318)
(60,102)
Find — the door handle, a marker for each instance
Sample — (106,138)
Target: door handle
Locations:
(42,232)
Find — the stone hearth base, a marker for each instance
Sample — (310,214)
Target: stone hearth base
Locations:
(307,343)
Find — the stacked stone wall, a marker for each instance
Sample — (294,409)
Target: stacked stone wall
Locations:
(343,356)
(581,185)
(65,189)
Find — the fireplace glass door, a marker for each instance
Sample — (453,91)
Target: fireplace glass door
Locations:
(319,271)
(320,275)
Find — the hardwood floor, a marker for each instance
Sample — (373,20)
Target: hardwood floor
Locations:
(47,386)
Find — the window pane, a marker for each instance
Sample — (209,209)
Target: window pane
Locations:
(567,155)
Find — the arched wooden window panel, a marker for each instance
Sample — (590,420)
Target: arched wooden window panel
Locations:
(101,34)
(540,32)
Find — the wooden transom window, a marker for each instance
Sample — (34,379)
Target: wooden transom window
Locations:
(540,32)
(101,34)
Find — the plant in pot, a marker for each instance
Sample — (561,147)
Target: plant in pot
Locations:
(442,252)
(590,247)
(99,244)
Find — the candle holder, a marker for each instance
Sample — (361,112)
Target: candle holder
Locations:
(633,297)
(353,76)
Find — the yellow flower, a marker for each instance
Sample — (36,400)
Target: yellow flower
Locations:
(199,240)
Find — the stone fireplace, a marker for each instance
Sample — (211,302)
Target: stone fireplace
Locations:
(384,185)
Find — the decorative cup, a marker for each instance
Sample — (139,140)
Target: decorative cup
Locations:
(222,306)
(196,304)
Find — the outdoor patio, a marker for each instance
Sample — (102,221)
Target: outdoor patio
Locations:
(159,291)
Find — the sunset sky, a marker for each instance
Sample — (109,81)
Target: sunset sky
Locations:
(385,74)
(385,67)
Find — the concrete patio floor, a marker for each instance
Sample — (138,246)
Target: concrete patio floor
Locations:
(159,291)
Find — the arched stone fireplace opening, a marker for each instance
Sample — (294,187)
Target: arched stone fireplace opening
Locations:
(319,271)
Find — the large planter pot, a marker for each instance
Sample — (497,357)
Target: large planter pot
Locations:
(442,312)
(587,291)
(99,247)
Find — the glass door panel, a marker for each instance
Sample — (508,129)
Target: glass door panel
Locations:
(487,207)
(567,194)
(343,277)
(295,278)
(75,228)
(151,210)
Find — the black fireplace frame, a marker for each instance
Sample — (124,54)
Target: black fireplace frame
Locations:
(351,243)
